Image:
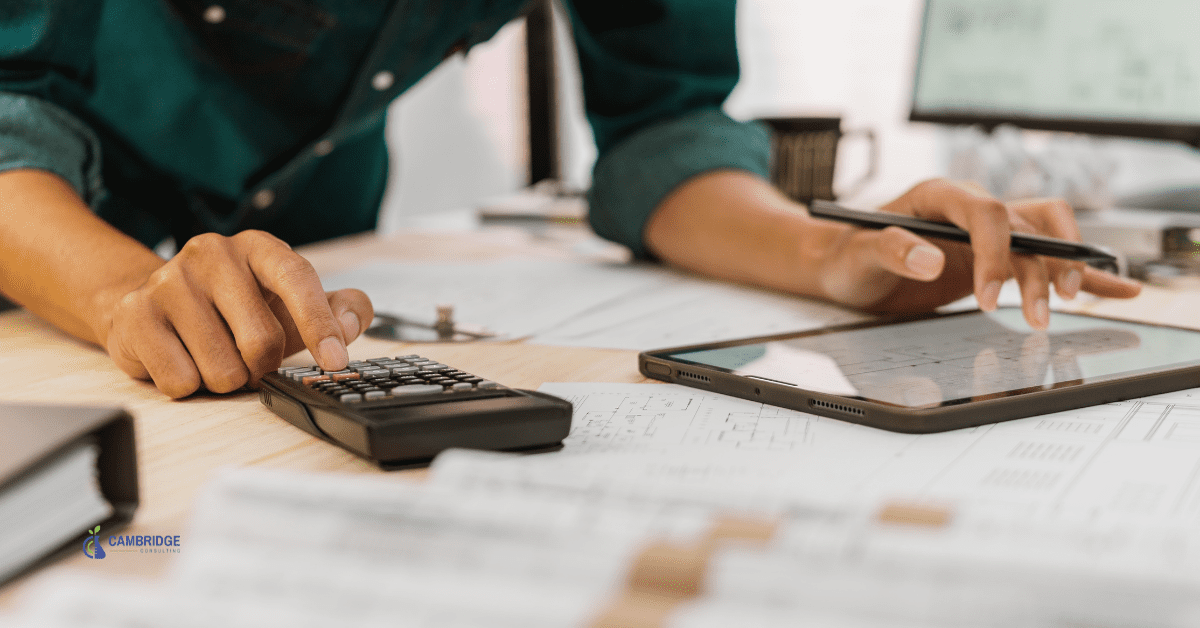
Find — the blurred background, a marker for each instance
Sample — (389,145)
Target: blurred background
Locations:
(461,136)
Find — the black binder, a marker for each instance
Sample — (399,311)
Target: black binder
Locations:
(33,438)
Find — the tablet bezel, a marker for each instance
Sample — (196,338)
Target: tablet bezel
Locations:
(950,415)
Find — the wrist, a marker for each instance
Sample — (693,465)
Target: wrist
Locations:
(102,304)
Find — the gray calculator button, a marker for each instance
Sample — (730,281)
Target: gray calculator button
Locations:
(411,356)
(461,386)
(487,383)
(375,372)
(416,389)
(437,367)
(374,394)
(299,375)
(404,370)
(349,397)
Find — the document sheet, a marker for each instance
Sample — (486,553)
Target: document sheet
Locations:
(616,306)
(489,540)
(1133,460)
(1084,518)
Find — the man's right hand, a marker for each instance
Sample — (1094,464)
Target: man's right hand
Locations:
(221,314)
(225,311)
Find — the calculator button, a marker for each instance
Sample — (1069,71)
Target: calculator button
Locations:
(404,370)
(374,394)
(411,356)
(375,372)
(349,397)
(314,379)
(461,386)
(487,383)
(299,375)
(341,377)
(284,370)
(416,389)
(471,378)
(378,360)
(358,364)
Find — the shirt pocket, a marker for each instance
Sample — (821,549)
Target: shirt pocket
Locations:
(267,40)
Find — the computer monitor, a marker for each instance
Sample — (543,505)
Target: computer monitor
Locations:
(1109,67)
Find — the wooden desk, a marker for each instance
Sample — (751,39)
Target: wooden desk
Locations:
(181,443)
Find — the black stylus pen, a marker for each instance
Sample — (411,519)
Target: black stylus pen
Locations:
(1023,243)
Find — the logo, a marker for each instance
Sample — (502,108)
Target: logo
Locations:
(91,544)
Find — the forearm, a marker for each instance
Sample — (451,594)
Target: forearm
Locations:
(61,261)
(734,225)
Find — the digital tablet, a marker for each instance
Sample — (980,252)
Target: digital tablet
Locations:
(932,373)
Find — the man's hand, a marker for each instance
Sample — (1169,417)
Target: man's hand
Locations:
(895,270)
(225,311)
(734,225)
(221,314)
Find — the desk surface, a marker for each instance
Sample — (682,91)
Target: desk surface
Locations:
(181,443)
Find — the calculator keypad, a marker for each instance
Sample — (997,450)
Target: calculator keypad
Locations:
(380,378)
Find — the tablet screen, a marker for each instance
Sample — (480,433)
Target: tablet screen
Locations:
(959,358)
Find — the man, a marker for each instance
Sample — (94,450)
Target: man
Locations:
(221,123)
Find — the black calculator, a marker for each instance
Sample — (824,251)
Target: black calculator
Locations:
(401,412)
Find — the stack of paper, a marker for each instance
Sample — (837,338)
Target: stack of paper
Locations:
(673,507)
(487,542)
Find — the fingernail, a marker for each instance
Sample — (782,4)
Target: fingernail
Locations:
(1041,313)
(989,296)
(924,260)
(1070,284)
(333,354)
(349,325)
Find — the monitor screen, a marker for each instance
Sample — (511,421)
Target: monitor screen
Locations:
(1119,67)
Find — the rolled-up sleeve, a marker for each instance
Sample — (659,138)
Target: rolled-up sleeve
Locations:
(40,135)
(655,74)
(45,61)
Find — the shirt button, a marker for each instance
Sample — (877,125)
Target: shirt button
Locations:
(322,148)
(214,14)
(382,80)
(262,199)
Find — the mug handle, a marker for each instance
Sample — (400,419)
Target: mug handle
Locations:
(872,161)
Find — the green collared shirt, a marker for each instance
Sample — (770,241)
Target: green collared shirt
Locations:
(174,117)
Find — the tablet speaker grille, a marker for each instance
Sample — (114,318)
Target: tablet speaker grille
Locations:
(695,376)
(817,403)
